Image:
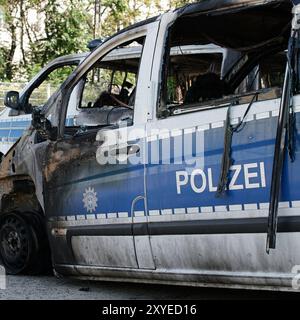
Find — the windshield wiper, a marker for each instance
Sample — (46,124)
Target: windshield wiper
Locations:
(227,160)
(285,135)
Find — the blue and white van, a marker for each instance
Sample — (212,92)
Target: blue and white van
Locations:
(13,122)
(178,168)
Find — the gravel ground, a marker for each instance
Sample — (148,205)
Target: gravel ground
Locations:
(49,287)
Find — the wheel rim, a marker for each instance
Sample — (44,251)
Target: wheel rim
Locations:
(14,238)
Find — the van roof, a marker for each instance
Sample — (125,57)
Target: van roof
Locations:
(211,6)
(260,23)
(218,6)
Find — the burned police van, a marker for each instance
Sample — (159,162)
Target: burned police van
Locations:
(181,166)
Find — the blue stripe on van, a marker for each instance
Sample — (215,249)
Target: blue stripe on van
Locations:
(16,133)
(15,124)
(4,133)
(10,131)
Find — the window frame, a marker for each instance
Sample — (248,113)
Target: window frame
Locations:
(99,54)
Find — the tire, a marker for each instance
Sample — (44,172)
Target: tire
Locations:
(23,244)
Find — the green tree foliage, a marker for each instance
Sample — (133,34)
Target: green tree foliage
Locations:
(7,53)
(3,56)
(179,3)
(116,11)
(66,32)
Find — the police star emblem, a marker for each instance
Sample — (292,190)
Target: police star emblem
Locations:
(90,200)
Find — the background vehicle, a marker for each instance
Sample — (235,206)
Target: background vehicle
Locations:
(160,220)
(16,117)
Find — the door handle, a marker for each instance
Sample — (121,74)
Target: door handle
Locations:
(133,149)
(128,150)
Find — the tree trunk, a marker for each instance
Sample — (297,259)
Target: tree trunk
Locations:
(11,53)
(22,18)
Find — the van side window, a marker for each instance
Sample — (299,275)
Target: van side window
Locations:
(107,93)
(267,74)
(196,75)
(193,75)
(105,86)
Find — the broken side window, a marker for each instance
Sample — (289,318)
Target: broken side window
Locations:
(253,60)
(106,94)
(186,72)
(267,74)
(193,81)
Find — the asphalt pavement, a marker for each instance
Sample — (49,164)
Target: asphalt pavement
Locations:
(50,287)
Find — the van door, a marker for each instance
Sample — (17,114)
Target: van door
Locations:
(194,229)
(96,190)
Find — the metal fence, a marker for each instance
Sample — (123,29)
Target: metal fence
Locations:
(38,97)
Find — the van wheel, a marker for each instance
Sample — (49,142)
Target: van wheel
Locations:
(23,244)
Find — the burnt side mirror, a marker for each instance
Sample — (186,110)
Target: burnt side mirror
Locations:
(43,126)
(11,100)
